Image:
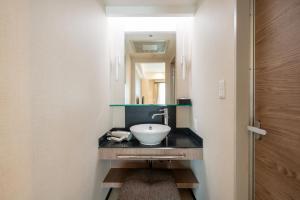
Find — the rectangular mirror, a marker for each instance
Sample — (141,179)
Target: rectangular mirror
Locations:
(150,68)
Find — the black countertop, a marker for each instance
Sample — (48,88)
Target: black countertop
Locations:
(177,138)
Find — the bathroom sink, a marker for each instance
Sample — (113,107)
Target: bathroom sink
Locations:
(150,134)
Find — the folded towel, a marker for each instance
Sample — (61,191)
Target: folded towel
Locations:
(149,184)
(120,133)
(119,136)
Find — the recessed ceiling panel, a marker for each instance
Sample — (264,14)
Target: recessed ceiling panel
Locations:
(159,47)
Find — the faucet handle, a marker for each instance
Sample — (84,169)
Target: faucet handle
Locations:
(163,109)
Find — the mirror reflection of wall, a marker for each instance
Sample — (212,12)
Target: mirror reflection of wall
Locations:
(150,67)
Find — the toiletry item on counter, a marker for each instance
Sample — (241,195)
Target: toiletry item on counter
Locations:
(184,101)
(119,136)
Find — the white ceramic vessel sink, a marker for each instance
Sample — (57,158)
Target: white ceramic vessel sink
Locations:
(150,134)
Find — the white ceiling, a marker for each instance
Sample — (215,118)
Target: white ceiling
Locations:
(150,2)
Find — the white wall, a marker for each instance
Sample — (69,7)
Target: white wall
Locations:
(56,97)
(214,118)
(15,128)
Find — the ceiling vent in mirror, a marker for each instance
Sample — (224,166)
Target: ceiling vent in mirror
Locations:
(150,46)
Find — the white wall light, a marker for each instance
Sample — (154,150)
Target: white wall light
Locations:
(117,67)
(183,67)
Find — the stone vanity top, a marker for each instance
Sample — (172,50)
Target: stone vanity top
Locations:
(177,138)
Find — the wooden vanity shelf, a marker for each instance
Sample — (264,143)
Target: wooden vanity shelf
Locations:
(150,153)
(184,178)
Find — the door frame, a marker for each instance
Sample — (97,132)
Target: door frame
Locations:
(244,114)
(252,103)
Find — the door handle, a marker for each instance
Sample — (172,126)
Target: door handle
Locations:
(257,130)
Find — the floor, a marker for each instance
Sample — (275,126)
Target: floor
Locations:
(185,194)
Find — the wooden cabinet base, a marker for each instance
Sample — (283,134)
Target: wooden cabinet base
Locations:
(184,178)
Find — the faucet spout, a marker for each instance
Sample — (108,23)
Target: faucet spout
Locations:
(165,113)
(154,115)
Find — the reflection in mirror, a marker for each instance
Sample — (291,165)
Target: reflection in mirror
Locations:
(150,67)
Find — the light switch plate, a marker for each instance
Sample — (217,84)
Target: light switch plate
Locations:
(222,89)
(195,124)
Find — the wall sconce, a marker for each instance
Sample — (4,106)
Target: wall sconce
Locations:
(183,67)
(117,67)
(183,61)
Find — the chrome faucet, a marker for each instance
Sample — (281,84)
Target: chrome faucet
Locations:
(164,113)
